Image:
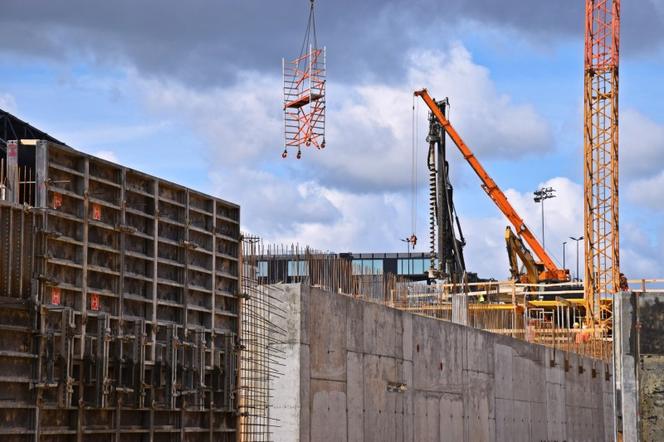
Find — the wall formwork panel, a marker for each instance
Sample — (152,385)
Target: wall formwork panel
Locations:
(120,307)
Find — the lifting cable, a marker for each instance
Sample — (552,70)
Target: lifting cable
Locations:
(310,38)
(413,170)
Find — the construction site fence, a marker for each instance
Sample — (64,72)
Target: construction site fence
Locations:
(546,314)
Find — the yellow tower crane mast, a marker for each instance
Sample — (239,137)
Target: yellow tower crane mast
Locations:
(602,258)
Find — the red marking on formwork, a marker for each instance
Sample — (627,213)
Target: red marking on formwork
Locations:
(57,200)
(94,302)
(55,296)
(12,149)
(96,212)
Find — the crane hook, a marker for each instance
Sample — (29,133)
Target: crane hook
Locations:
(299,154)
(284,153)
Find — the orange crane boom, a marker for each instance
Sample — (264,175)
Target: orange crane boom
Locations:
(551,271)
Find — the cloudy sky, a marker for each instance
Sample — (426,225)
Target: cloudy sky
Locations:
(191,91)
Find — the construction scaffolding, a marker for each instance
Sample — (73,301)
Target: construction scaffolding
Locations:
(548,314)
(119,290)
(304,94)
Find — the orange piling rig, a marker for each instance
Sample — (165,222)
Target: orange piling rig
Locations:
(551,271)
(304,94)
(602,43)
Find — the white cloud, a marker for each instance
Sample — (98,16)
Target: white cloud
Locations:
(107,155)
(563,218)
(640,246)
(354,195)
(274,206)
(640,252)
(367,222)
(647,192)
(7,102)
(641,145)
(369,125)
(489,120)
(241,123)
(103,135)
(370,130)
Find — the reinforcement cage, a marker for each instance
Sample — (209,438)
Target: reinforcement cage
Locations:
(120,301)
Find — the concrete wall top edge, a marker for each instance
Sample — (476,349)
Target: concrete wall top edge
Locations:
(533,351)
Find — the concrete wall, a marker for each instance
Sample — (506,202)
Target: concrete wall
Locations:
(639,356)
(651,365)
(357,371)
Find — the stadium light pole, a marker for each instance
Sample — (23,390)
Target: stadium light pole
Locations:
(540,195)
(577,254)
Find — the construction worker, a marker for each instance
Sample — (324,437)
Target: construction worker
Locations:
(584,335)
(624,286)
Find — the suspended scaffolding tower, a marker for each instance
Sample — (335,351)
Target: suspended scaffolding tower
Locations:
(304,94)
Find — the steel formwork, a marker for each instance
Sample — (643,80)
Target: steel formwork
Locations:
(120,301)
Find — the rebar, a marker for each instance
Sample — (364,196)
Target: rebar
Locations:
(504,307)
(259,341)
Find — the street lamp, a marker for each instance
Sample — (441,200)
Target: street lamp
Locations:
(541,195)
(577,254)
(564,244)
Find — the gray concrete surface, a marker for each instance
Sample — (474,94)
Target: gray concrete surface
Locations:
(626,354)
(650,337)
(639,365)
(359,371)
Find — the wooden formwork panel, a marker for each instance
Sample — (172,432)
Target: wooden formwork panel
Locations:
(126,325)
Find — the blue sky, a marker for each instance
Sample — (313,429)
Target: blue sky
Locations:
(192,94)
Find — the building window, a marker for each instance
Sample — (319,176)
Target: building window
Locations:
(261,271)
(298,268)
(412,266)
(357,267)
(367,267)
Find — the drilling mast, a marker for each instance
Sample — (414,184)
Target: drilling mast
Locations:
(550,271)
(601,239)
(443,220)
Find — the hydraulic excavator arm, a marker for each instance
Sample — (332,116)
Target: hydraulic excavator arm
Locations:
(516,250)
(551,271)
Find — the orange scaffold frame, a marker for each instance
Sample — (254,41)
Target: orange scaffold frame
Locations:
(304,101)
